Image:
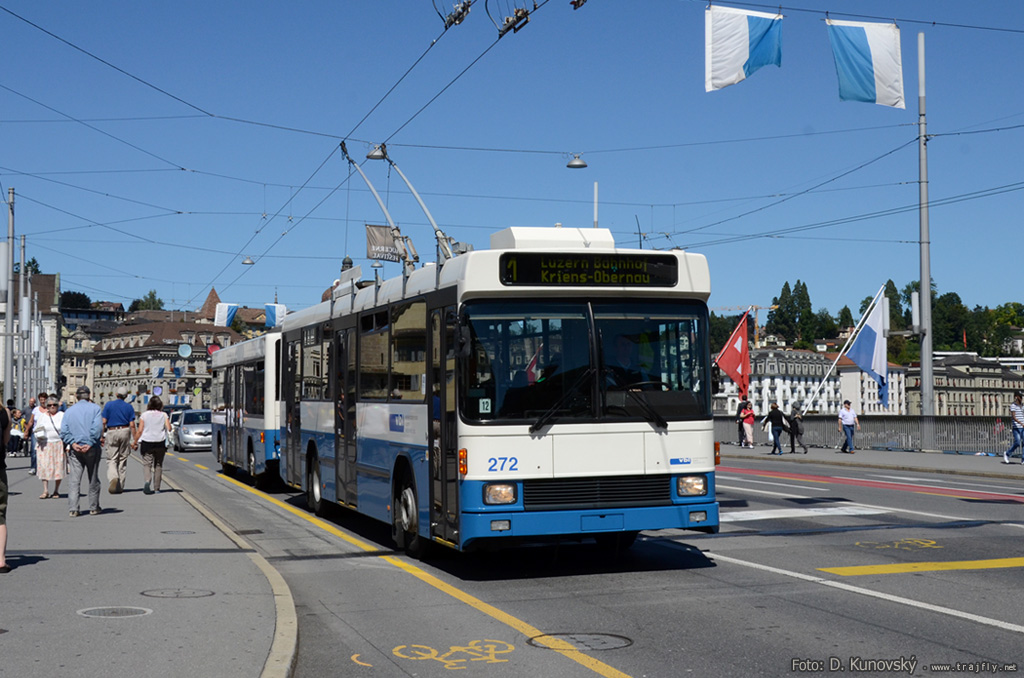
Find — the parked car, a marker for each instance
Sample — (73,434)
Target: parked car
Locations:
(194,431)
(175,417)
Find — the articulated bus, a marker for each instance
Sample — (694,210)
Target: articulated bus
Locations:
(551,387)
(246,398)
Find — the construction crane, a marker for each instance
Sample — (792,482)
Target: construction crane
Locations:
(755,309)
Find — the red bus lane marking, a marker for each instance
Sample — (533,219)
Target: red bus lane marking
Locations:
(903,487)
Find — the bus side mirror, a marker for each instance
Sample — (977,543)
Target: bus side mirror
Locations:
(463,341)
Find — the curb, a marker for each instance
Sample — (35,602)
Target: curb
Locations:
(284,649)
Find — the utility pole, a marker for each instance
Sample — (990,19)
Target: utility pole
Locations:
(927,375)
(9,314)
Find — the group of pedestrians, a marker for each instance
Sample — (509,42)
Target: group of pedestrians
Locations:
(69,446)
(776,421)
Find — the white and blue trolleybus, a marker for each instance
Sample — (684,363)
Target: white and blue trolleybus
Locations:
(246,410)
(553,386)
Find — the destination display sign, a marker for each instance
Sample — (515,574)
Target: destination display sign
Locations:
(588,269)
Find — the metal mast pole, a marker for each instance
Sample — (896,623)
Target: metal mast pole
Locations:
(9,391)
(927,375)
(23,320)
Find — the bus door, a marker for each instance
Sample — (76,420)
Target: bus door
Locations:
(292,392)
(444,462)
(345,415)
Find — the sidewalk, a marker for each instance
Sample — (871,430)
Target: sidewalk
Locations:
(893,460)
(153,586)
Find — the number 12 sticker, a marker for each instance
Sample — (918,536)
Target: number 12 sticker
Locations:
(485,406)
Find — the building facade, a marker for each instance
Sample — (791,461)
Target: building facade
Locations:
(965,386)
(168,359)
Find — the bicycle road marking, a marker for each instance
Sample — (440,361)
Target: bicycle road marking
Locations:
(560,646)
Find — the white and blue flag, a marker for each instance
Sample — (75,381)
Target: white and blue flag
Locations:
(869,350)
(275,314)
(738,42)
(225,315)
(868,62)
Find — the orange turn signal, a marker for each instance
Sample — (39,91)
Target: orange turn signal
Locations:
(463,462)
(718,453)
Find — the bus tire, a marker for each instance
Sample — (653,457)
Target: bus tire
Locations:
(406,518)
(225,468)
(314,499)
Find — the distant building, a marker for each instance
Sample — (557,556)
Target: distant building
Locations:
(965,386)
(169,359)
(790,378)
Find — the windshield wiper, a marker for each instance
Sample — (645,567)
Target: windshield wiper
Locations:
(651,413)
(548,416)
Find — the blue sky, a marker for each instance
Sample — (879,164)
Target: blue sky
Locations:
(211,134)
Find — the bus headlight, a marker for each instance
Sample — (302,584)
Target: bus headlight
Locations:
(691,486)
(500,493)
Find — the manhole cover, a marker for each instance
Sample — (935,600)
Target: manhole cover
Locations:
(114,612)
(583,641)
(177,593)
(177,532)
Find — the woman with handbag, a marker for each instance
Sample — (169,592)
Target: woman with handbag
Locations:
(151,441)
(51,459)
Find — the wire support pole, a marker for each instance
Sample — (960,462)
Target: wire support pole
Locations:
(927,373)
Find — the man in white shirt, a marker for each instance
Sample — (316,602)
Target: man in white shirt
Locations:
(847,423)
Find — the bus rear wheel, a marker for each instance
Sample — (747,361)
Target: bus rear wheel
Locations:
(314,500)
(406,519)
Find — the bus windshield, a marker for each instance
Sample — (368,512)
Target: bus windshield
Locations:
(574,360)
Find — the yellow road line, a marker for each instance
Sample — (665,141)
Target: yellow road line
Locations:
(202,467)
(560,646)
(901,568)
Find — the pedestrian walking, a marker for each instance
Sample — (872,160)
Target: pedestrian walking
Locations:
(847,423)
(739,421)
(36,408)
(151,439)
(796,430)
(50,454)
(118,435)
(81,431)
(777,423)
(1017,416)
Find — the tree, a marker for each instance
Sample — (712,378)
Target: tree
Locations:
(826,324)
(150,302)
(32,266)
(75,300)
(806,320)
(782,321)
(949,322)
(845,318)
(722,327)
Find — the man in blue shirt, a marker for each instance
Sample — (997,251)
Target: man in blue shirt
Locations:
(81,431)
(119,431)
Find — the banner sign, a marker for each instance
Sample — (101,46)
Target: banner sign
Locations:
(380,243)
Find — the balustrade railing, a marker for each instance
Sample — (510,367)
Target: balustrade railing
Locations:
(961,435)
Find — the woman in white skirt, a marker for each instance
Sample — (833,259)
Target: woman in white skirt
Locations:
(151,440)
(51,459)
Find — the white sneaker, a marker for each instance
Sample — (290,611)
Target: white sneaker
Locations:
(1006,458)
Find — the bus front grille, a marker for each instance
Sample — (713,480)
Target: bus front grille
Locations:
(597,492)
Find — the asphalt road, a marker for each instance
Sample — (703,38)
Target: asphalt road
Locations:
(817,570)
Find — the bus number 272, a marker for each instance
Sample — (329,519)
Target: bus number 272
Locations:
(503,464)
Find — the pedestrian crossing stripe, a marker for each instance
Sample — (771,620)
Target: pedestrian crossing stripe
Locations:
(814,512)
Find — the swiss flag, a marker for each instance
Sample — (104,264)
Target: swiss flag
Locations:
(735,357)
